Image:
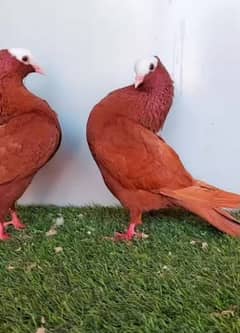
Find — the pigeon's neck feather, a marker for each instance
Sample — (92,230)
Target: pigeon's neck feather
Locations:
(150,106)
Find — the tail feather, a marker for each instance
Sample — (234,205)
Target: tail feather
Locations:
(206,195)
(219,218)
(220,197)
(208,202)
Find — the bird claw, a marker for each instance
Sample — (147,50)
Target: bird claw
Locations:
(4,236)
(128,237)
(141,235)
(20,227)
(123,236)
(17,224)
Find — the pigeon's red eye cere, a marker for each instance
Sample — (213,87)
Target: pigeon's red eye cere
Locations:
(151,67)
(25,58)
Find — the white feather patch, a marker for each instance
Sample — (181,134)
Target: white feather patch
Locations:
(142,65)
(19,53)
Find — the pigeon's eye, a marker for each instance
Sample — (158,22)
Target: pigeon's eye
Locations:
(25,58)
(151,67)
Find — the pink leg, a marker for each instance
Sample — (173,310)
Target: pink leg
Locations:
(15,221)
(3,234)
(129,235)
(136,219)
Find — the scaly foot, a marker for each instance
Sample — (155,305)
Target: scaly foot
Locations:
(130,234)
(128,237)
(15,221)
(3,235)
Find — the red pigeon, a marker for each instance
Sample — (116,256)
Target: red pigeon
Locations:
(138,166)
(30,133)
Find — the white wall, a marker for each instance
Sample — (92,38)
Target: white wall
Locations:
(88,48)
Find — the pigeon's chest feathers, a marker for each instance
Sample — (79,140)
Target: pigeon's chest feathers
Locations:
(7,106)
(1,102)
(13,101)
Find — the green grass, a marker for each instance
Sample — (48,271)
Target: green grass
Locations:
(162,284)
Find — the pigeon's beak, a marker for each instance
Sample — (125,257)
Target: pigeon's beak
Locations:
(37,68)
(138,80)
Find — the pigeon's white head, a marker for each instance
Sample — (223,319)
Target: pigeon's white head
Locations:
(25,57)
(144,67)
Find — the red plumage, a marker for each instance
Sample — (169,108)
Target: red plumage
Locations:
(30,135)
(138,166)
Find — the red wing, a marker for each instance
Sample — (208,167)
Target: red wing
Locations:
(139,159)
(26,144)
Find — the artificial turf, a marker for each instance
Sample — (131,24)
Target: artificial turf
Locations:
(183,278)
